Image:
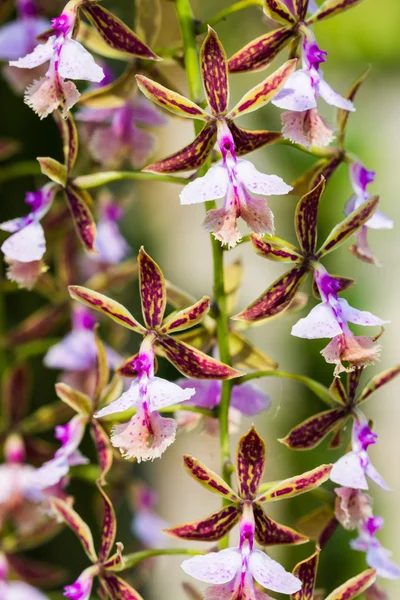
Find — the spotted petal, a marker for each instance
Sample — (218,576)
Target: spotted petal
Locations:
(78,526)
(250,463)
(278,11)
(321,322)
(246,140)
(300,484)
(260,52)
(348,472)
(330,8)
(78,401)
(270,533)
(260,183)
(120,589)
(212,186)
(306,218)
(152,290)
(77,63)
(298,94)
(262,93)
(172,101)
(378,381)
(107,306)
(312,431)
(208,479)
(214,70)
(211,528)
(275,249)
(42,53)
(271,575)
(214,567)
(306,571)
(193,315)
(354,586)
(78,201)
(103,449)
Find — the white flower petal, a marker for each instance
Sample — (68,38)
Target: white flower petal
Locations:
(319,323)
(14,225)
(333,98)
(128,400)
(215,567)
(379,221)
(271,575)
(348,472)
(212,186)
(41,54)
(359,317)
(260,183)
(297,94)
(373,474)
(27,245)
(165,393)
(75,352)
(77,63)
(378,558)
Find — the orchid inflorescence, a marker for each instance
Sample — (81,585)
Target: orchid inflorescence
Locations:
(77,258)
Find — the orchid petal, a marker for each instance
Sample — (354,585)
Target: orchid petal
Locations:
(169,99)
(215,567)
(250,463)
(297,94)
(26,245)
(18,37)
(373,474)
(379,221)
(359,317)
(333,98)
(249,399)
(259,183)
(128,400)
(260,52)
(208,479)
(210,529)
(77,63)
(214,70)
(379,558)
(321,322)
(41,54)
(348,472)
(152,290)
(212,186)
(271,575)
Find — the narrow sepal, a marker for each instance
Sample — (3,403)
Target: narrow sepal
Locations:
(271,533)
(103,449)
(109,528)
(208,479)
(78,526)
(318,525)
(53,169)
(260,52)
(79,202)
(279,12)
(246,140)
(306,571)
(172,101)
(211,528)
(116,33)
(119,589)
(300,484)
(153,295)
(38,325)
(262,93)
(330,8)
(188,317)
(102,368)
(338,392)
(354,586)
(247,356)
(353,379)
(78,401)
(107,306)
(69,137)
(15,390)
(377,382)
(324,167)
(305,218)
(349,226)
(344,283)
(276,298)
(214,71)
(313,430)
(300,9)
(192,156)
(275,249)
(194,363)
(128,368)
(343,115)
(250,463)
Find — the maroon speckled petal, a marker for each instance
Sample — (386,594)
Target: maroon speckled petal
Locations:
(275,249)
(78,201)
(300,8)
(378,381)
(214,70)
(354,586)
(69,136)
(312,431)
(208,479)
(259,53)
(246,140)
(152,290)
(211,528)
(67,514)
(250,463)
(300,484)
(330,8)
(306,571)
(338,392)
(270,533)
(188,317)
(103,448)
(119,589)
(109,528)
(278,10)
(353,380)
(305,218)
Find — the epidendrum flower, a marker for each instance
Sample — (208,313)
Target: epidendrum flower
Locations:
(147,434)
(25,248)
(332,316)
(330,319)
(377,556)
(110,245)
(246,399)
(360,178)
(302,123)
(147,526)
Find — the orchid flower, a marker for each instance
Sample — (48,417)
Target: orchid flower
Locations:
(147,435)
(67,59)
(110,244)
(377,556)
(330,319)
(25,248)
(246,399)
(231,571)
(352,469)
(147,526)
(302,123)
(360,178)
(352,507)
(235,181)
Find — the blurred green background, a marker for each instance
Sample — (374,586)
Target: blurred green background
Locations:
(365,35)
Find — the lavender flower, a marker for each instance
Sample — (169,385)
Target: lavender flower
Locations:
(147,526)
(110,244)
(377,556)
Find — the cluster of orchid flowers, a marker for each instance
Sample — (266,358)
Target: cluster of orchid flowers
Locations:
(114,117)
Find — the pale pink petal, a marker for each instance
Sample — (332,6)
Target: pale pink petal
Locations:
(27,245)
(348,472)
(249,399)
(77,63)
(106,147)
(25,274)
(212,186)
(379,221)
(43,96)
(258,216)
(207,392)
(227,591)
(271,575)
(297,94)
(110,244)
(71,96)
(41,54)
(333,98)
(259,183)
(378,558)
(222,223)
(321,322)
(373,474)
(49,474)
(135,440)
(163,393)
(128,400)
(143,145)
(306,128)
(214,567)
(70,436)
(18,590)
(18,37)
(76,352)
(352,507)
(359,317)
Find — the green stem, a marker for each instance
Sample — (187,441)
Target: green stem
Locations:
(19,169)
(226,12)
(319,390)
(187,26)
(130,560)
(98,179)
